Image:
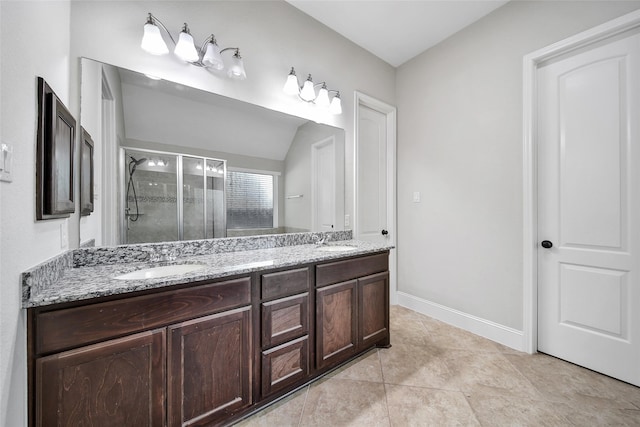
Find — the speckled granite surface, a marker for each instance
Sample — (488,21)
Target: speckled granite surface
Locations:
(145,252)
(44,284)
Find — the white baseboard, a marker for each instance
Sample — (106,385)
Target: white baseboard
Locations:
(495,332)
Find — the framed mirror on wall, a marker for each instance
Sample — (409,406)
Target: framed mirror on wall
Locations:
(86,173)
(121,108)
(56,132)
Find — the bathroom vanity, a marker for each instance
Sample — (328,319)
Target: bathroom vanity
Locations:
(206,347)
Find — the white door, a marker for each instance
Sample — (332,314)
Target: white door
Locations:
(589,208)
(372,192)
(324,185)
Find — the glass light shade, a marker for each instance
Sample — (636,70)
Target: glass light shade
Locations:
(236,68)
(151,163)
(152,41)
(212,57)
(323,98)
(185,49)
(291,86)
(308,93)
(336,105)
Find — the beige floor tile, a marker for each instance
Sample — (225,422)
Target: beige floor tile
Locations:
(562,381)
(284,413)
(514,411)
(365,368)
(400,313)
(410,332)
(439,375)
(416,366)
(339,402)
(488,373)
(447,336)
(414,406)
(590,416)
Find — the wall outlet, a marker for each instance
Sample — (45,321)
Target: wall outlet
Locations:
(347,220)
(416,197)
(64,236)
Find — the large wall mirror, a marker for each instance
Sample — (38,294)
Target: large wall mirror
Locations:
(173,162)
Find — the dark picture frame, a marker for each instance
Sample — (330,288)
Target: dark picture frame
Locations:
(86,173)
(56,132)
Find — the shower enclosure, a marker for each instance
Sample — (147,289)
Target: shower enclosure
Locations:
(170,196)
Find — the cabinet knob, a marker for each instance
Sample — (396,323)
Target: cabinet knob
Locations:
(385,232)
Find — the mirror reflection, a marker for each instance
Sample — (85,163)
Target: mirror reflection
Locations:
(178,163)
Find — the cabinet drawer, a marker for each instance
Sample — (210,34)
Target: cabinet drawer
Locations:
(72,327)
(341,271)
(285,365)
(284,319)
(284,283)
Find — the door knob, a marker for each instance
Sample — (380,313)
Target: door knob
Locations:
(385,232)
(546,244)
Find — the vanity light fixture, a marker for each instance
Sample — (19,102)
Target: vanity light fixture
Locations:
(307,92)
(209,55)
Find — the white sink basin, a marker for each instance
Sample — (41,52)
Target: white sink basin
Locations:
(336,248)
(163,271)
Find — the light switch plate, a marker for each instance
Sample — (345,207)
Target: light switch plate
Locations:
(347,220)
(416,197)
(6,162)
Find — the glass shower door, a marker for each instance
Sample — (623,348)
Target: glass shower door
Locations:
(192,198)
(216,212)
(203,197)
(151,197)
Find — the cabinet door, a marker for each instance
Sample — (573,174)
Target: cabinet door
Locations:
(209,362)
(120,382)
(336,321)
(373,309)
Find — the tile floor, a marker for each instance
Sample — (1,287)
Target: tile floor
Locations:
(438,375)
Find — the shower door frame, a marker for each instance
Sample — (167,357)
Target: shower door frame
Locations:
(179,190)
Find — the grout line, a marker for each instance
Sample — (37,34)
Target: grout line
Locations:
(304,405)
(473,411)
(381,368)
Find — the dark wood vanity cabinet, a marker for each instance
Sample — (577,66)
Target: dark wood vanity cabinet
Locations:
(206,353)
(177,357)
(352,308)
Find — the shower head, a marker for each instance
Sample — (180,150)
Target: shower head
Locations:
(138,162)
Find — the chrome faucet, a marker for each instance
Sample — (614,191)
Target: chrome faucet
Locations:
(322,240)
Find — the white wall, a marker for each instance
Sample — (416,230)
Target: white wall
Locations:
(298,171)
(35,42)
(91,107)
(460,145)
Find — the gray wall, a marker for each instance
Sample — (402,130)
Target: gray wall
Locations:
(460,145)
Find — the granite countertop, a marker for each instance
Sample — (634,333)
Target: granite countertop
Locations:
(85,282)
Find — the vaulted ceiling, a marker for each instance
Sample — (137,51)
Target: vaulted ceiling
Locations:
(396,30)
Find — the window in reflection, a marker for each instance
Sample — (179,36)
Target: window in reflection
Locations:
(250,199)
